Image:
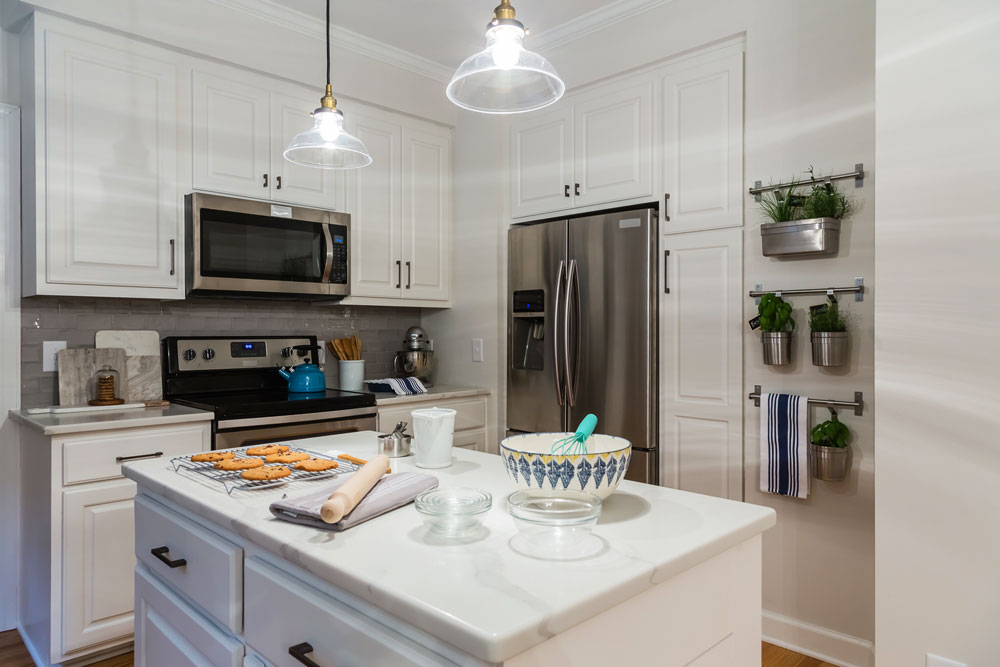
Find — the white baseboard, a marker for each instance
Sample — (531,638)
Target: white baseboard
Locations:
(817,642)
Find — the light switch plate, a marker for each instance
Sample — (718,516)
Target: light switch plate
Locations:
(477,349)
(50,348)
(938,661)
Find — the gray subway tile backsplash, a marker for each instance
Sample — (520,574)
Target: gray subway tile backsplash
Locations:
(76,320)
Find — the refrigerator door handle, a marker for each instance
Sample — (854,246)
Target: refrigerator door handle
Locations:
(555,338)
(572,370)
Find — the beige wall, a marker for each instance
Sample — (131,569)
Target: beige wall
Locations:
(937,511)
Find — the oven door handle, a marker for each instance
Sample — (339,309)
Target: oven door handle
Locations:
(328,244)
(302,418)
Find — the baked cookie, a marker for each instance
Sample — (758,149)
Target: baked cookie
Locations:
(266,473)
(316,465)
(239,464)
(287,457)
(266,450)
(220,455)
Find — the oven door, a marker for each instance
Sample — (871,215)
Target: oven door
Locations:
(262,430)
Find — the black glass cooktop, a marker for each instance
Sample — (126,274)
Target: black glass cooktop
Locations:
(268,403)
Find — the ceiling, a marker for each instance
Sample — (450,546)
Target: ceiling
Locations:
(444,31)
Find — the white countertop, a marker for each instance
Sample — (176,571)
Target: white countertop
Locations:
(105,420)
(436,393)
(482,597)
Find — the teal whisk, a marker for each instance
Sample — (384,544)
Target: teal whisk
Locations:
(576,443)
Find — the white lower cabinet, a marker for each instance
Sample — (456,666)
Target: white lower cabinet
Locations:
(170,633)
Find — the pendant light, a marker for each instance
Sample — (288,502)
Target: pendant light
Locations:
(505,77)
(327,145)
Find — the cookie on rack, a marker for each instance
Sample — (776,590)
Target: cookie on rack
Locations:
(239,464)
(316,465)
(267,450)
(266,473)
(287,457)
(212,457)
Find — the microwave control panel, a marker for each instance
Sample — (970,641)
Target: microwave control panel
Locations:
(339,273)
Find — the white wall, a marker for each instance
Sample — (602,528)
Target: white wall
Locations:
(937,511)
(809,100)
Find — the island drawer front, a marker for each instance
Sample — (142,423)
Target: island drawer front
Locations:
(89,458)
(168,631)
(472,439)
(196,562)
(282,612)
(469,413)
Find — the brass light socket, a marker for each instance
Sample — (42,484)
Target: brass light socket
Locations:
(328,101)
(503,11)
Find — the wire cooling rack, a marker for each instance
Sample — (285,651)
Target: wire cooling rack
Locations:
(231,480)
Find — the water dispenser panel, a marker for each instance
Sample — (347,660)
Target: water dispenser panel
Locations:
(529,301)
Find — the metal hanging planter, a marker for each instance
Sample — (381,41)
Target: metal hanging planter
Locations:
(777,347)
(796,238)
(829,348)
(828,463)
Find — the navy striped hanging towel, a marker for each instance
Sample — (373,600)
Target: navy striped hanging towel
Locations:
(784,439)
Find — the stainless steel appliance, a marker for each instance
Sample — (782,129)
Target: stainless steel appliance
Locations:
(253,248)
(236,377)
(416,359)
(582,329)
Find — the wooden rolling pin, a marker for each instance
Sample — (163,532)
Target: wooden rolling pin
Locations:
(346,498)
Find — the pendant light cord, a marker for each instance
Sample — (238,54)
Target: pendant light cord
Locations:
(328,42)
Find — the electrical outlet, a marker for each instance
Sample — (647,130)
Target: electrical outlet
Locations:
(938,661)
(50,348)
(477,349)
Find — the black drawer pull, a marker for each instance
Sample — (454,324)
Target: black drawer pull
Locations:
(299,653)
(154,455)
(161,554)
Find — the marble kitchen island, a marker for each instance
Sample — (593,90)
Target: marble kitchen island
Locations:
(677,580)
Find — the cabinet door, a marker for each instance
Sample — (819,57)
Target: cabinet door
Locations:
(613,145)
(703,144)
(291,113)
(701,372)
(97,562)
(426,213)
(376,223)
(230,136)
(541,162)
(111,211)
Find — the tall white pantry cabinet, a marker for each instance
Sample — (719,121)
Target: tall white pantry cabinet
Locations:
(117,131)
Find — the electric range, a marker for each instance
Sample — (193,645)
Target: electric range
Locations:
(237,379)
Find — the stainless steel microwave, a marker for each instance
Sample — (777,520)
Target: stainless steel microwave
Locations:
(259,249)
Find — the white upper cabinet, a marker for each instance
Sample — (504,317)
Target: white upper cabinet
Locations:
(104,156)
(613,144)
(426,213)
(703,142)
(231,149)
(541,161)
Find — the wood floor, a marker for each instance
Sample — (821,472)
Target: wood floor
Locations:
(13,654)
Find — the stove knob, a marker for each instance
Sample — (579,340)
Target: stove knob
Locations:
(189,355)
(208,354)
(286,352)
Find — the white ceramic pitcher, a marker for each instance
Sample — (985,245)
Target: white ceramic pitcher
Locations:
(433,437)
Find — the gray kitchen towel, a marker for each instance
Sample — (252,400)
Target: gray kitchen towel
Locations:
(390,492)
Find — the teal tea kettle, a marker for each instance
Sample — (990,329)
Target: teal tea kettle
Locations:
(306,378)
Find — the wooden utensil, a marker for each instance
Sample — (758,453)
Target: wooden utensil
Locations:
(346,349)
(347,497)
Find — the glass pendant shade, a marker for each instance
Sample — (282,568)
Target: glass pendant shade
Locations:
(504,77)
(327,145)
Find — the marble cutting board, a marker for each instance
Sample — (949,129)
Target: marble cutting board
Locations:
(135,343)
(145,382)
(77,367)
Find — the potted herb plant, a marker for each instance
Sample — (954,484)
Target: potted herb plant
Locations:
(803,224)
(828,449)
(776,326)
(828,334)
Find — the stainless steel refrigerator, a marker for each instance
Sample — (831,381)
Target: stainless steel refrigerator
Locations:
(582,329)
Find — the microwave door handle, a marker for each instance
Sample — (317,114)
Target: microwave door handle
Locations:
(328,244)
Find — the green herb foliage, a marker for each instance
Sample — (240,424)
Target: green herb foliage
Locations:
(827,318)
(825,201)
(831,433)
(781,205)
(774,313)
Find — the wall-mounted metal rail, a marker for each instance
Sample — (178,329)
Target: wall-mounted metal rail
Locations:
(858,404)
(858,175)
(858,290)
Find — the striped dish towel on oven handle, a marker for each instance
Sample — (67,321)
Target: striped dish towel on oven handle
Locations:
(784,445)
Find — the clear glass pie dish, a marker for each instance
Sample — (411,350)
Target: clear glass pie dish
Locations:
(453,512)
(554,523)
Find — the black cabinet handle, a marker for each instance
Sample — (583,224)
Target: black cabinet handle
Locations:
(409,275)
(666,200)
(173,256)
(566,192)
(119,459)
(299,653)
(265,180)
(278,181)
(399,274)
(161,555)
(666,290)
(576,189)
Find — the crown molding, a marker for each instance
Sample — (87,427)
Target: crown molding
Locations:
(591,22)
(271,12)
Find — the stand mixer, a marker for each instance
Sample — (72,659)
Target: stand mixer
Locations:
(415,360)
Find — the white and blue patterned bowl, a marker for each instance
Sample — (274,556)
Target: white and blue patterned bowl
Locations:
(530,463)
